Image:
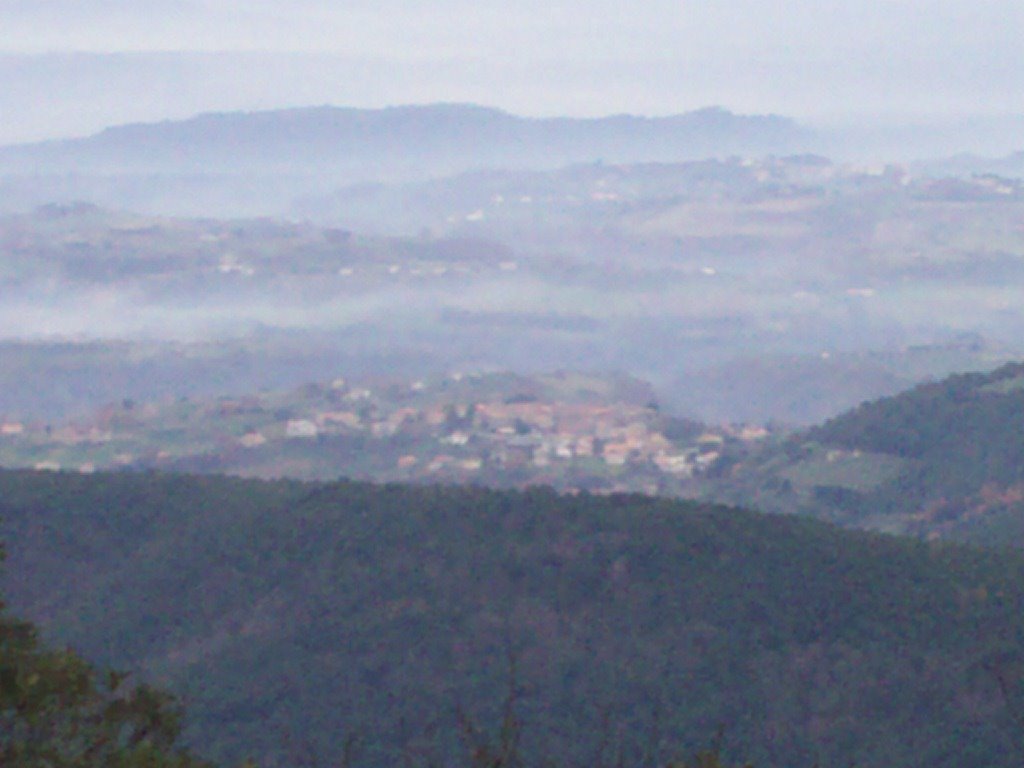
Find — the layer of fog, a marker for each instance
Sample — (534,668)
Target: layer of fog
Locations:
(728,360)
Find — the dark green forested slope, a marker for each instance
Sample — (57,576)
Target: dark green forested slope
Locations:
(943,460)
(58,711)
(963,439)
(289,615)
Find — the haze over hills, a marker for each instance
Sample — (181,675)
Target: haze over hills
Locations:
(402,141)
(259,163)
(965,164)
(787,289)
(351,424)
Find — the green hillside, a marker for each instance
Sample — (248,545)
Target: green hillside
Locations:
(931,421)
(942,460)
(290,616)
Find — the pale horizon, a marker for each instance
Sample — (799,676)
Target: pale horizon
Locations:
(73,68)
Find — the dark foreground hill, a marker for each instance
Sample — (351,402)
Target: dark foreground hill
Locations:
(292,615)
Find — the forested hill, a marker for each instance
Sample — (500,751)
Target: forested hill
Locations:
(942,460)
(930,420)
(293,615)
(961,441)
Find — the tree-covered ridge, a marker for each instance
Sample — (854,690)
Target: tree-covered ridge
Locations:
(290,616)
(930,421)
(942,460)
(964,438)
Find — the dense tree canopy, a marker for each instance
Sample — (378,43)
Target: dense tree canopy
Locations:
(963,442)
(59,711)
(291,617)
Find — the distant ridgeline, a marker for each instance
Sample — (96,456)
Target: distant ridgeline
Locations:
(402,140)
(944,459)
(293,615)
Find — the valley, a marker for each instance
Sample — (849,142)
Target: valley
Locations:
(437,435)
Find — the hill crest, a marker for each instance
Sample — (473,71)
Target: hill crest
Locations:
(415,139)
(942,460)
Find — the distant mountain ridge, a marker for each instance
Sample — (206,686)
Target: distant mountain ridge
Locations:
(969,164)
(421,139)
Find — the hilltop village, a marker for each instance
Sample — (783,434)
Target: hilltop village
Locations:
(572,431)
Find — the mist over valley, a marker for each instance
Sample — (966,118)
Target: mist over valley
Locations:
(534,386)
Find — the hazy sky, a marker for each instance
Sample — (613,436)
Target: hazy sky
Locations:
(69,67)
